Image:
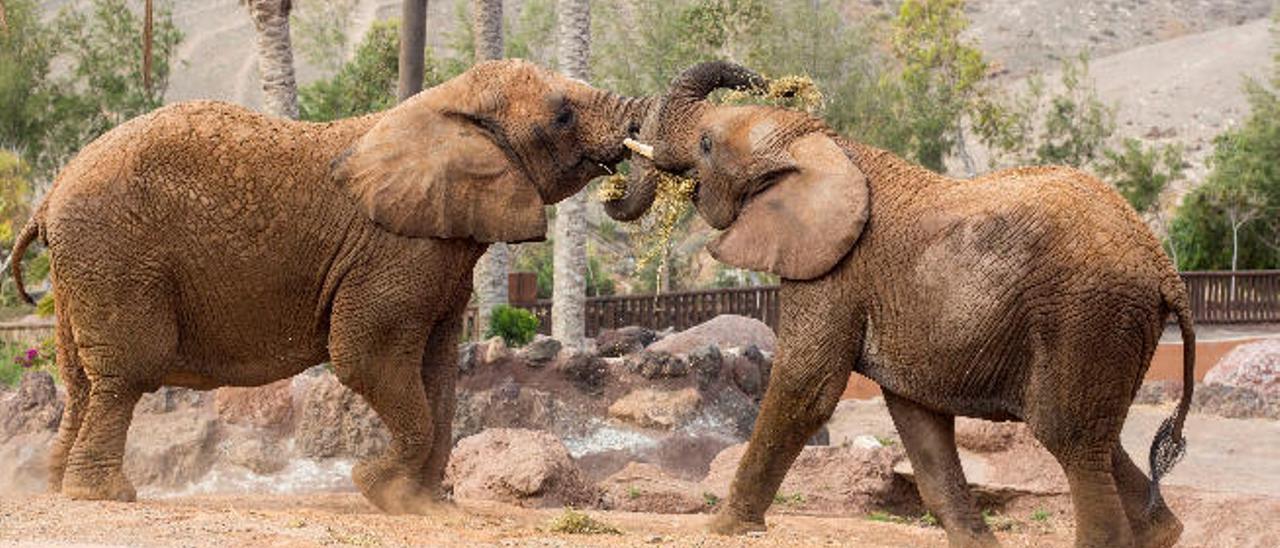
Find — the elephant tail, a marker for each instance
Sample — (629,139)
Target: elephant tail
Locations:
(1169,444)
(14,262)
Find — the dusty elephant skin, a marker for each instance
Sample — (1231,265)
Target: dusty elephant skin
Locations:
(204,245)
(1032,294)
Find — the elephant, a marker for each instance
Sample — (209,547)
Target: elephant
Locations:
(1033,294)
(205,245)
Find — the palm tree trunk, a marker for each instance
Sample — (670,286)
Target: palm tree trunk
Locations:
(275,56)
(570,257)
(413,43)
(490,277)
(146,45)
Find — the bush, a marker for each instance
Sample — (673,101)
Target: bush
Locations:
(17,359)
(516,326)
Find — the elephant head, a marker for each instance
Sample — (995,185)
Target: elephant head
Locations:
(790,199)
(480,155)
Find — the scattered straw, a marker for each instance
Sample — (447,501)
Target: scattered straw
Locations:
(797,92)
(574,522)
(613,187)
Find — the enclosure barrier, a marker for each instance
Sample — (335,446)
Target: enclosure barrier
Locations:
(1251,296)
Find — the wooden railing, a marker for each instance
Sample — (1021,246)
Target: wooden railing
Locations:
(1254,298)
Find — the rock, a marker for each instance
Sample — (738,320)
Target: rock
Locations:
(745,374)
(540,352)
(34,407)
(764,362)
(820,438)
(170,449)
(656,409)
(468,357)
(168,399)
(1158,392)
(586,371)
(1233,402)
(614,343)
(657,365)
(509,406)
(981,436)
(261,455)
(336,422)
(495,349)
(706,363)
(866,441)
(1255,366)
(828,480)
(524,467)
(24,462)
(268,407)
(724,331)
(646,488)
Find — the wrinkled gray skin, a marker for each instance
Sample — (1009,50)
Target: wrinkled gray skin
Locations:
(1033,294)
(206,245)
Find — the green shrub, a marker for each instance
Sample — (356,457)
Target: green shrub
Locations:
(574,522)
(17,359)
(516,326)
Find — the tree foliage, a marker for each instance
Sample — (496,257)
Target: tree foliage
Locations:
(367,82)
(47,115)
(1142,173)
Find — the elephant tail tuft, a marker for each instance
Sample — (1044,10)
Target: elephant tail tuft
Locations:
(14,262)
(1169,445)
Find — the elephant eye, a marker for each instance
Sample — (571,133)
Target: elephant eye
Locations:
(705,144)
(564,118)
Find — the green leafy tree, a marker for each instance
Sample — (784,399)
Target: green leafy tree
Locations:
(1140,173)
(366,83)
(320,31)
(48,116)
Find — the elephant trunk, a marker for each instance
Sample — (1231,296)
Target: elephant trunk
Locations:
(664,135)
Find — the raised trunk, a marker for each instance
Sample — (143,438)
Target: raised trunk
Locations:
(413,43)
(275,56)
(490,276)
(570,239)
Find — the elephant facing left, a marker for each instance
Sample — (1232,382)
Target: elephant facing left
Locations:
(205,245)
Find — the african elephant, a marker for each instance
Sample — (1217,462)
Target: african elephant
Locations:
(205,245)
(1031,294)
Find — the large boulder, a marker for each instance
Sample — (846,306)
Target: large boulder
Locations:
(34,407)
(269,407)
(643,487)
(982,436)
(171,449)
(168,399)
(24,462)
(586,371)
(657,408)
(1255,366)
(838,480)
(1238,402)
(517,466)
(657,365)
(336,422)
(615,343)
(510,405)
(724,331)
(542,351)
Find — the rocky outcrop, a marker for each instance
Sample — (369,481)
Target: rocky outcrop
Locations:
(336,422)
(656,409)
(542,351)
(268,407)
(643,487)
(615,343)
(830,480)
(657,365)
(724,331)
(34,407)
(1255,366)
(525,467)
(170,449)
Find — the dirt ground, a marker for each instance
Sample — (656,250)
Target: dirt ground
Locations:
(329,519)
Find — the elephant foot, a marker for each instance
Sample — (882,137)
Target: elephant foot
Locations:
(1163,532)
(389,487)
(725,523)
(112,487)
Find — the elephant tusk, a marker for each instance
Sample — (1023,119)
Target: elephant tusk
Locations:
(639,148)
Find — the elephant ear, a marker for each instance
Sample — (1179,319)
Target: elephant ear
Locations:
(806,222)
(427,172)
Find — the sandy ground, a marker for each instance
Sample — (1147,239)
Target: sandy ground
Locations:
(1226,491)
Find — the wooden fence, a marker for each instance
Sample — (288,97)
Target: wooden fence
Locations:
(1254,298)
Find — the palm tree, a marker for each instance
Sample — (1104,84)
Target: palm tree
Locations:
(570,240)
(490,277)
(275,56)
(413,42)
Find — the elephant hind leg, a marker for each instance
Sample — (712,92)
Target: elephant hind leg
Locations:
(95,465)
(1153,527)
(1083,442)
(929,438)
(76,382)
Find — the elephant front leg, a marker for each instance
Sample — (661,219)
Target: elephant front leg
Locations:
(439,378)
(394,481)
(809,375)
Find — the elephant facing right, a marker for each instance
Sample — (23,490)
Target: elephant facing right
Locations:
(1031,294)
